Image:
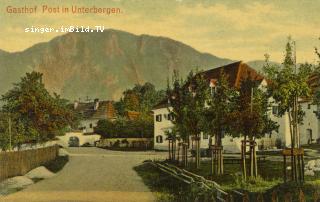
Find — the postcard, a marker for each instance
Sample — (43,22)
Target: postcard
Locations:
(162,100)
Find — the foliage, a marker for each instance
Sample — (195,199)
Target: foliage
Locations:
(250,117)
(176,98)
(168,188)
(140,98)
(17,132)
(288,83)
(124,128)
(39,115)
(220,104)
(196,94)
(316,96)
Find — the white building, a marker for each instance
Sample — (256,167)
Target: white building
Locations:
(236,72)
(92,112)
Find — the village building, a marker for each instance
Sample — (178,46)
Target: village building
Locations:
(237,72)
(92,112)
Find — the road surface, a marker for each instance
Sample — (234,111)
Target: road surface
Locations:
(92,175)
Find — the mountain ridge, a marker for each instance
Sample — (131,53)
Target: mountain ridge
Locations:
(102,65)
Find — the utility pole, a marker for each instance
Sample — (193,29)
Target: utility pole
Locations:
(10,132)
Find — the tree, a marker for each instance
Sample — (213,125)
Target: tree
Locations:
(196,93)
(176,98)
(289,82)
(11,132)
(43,116)
(220,104)
(250,119)
(316,96)
(131,100)
(141,98)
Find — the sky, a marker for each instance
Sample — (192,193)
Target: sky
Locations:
(234,29)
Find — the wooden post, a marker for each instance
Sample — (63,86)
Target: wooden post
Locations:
(243,154)
(212,160)
(284,169)
(302,166)
(222,160)
(299,168)
(255,160)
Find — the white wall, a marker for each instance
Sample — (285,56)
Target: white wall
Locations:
(91,139)
(160,128)
(86,125)
(310,122)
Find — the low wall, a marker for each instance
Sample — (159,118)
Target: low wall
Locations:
(83,139)
(126,142)
(17,163)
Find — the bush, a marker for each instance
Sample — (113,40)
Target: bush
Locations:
(124,128)
(116,144)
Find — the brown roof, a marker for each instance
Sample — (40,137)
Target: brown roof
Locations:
(235,72)
(105,110)
(163,104)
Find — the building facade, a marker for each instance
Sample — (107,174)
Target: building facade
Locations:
(236,72)
(92,112)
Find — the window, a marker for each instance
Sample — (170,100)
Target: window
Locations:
(159,139)
(205,136)
(309,106)
(90,125)
(159,118)
(275,110)
(170,117)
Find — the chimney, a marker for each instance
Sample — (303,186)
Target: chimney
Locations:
(75,104)
(96,104)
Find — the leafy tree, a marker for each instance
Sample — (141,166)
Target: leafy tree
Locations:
(289,83)
(316,96)
(176,97)
(131,101)
(220,104)
(141,98)
(11,132)
(250,119)
(43,116)
(196,93)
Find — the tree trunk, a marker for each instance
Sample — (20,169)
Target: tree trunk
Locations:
(243,156)
(197,152)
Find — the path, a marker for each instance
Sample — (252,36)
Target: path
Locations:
(92,175)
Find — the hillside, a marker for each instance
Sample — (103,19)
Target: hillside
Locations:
(102,65)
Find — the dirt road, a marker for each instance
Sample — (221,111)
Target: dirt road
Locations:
(92,175)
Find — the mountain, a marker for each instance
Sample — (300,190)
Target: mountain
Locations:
(258,64)
(102,65)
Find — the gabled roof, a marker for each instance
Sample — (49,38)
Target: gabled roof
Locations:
(105,110)
(163,104)
(235,72)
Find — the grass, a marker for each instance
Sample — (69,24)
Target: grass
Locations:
(57,164)
(165,187)
(313,146)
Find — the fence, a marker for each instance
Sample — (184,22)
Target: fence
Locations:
(20,162)
(214,192)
